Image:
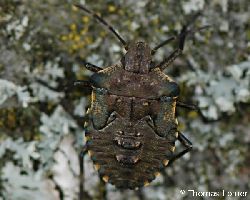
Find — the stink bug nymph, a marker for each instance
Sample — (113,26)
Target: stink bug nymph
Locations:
(132,128)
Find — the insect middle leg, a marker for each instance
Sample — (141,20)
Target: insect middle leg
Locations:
(186,143)
(185,105)
(163,44)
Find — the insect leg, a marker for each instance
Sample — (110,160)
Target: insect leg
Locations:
(81,162)
(102,190)
(90,66)
(186,143)
(140,194)
(163,43)
(80,83)
(185,105)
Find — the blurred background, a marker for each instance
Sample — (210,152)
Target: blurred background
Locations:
(41,123)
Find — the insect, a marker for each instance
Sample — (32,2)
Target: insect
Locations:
(132,127)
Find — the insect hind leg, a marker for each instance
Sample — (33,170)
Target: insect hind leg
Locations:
(82,153)
(186,143)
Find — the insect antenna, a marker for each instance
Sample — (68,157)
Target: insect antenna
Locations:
(103,22)
(181,40)
(163,44)
(189,32)
(189,23)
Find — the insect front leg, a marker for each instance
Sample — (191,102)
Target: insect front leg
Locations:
(77,84)
(89,66)
(81,83)
(185,105)
(186,143)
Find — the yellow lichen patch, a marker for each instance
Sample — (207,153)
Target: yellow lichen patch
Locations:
(77,38)
(64,38)
(70,36)
(111,8)
(73,27)
(181,126)
(145,103)
(85,19)
(84,30)
(74,47)
(89,40)
(97,167)
(105,178)
(192,114)
(90,153)
(103,33)
(81,44)
(157,174)
(74,8)
(146,183)
(165,162)
(155,21)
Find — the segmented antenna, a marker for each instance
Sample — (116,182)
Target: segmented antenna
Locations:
(102,21)
(187,33)
(162,44)
(190,22)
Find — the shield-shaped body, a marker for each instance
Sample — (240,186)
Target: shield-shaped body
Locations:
(132,128)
